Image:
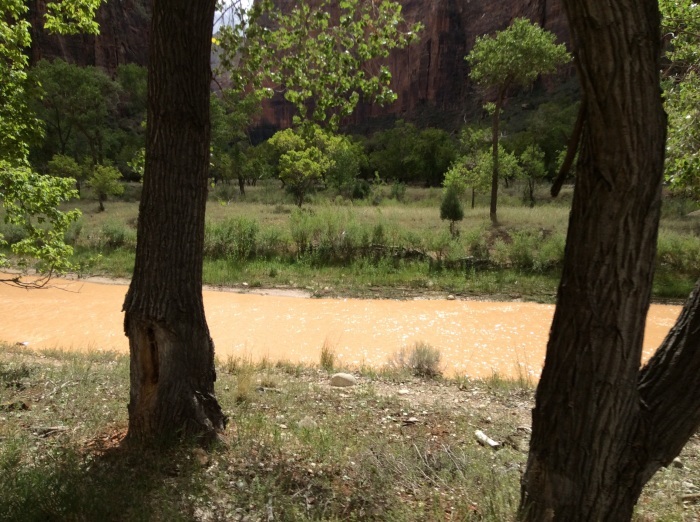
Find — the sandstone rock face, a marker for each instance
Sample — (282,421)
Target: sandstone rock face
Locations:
(431,77)
(123,36)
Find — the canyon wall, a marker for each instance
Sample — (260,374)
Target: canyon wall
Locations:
(430,77)
(123,36)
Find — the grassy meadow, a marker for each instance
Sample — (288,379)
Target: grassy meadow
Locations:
(395,447)
(391,244)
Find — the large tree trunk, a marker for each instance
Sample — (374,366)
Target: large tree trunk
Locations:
(172,354)
(601,428)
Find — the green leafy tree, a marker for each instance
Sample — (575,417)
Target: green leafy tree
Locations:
(681,81)
(511,58)
(549,127)
(306,162)
(434,153)
(231,114)
(391,152)
(105,182)
(347,159)
(62,166)
(474,171)
(303,170)
(532,170)
(257,162)
(451,208)
(126,140)
(316,53)
(137,163)
(282,142)
(78,106)
(406,154)
(31,200)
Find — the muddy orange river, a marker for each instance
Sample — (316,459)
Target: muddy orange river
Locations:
(475,338)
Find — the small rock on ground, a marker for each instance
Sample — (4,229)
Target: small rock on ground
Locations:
(308,423)
(343,380)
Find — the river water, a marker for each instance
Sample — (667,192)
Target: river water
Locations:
(476,338)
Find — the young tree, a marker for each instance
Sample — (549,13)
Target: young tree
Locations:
(105,181)
(303,162)
(347,160)
(62,166)
(514,57)
(451,208)
(601,425)
(29,199)
(302,170)
(531,163)
(172,355)
(474,171)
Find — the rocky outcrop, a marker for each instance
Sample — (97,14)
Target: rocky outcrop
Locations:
(123,36)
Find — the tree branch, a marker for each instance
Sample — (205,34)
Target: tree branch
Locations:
(571,149)
(16,280)
(669,387)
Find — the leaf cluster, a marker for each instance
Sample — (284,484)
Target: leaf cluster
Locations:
(681,30)
(30,200)
(516,56)
(320,55)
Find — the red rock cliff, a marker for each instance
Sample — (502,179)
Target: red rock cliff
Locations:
(123,36)
(431,76)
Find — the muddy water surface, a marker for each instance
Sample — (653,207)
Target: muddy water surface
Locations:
(476,338)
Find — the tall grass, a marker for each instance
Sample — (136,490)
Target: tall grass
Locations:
(263,239)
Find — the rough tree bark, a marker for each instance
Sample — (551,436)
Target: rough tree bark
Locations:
(172,354)
(602,427)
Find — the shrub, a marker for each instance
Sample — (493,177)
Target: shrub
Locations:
(73,231)
(398,191)
(361,189)
(422,360)
(272,243)
(476,245)
(12,233)
(115,234)
(327,356)
(679,253)
(551,252)
(234,238)
(522,250)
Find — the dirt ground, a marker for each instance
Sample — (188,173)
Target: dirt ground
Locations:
(475,338)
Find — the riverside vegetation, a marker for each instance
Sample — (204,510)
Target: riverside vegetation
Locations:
(394,447)
(390,244)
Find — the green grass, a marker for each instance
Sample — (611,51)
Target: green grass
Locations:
(339,247)
(295,448)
